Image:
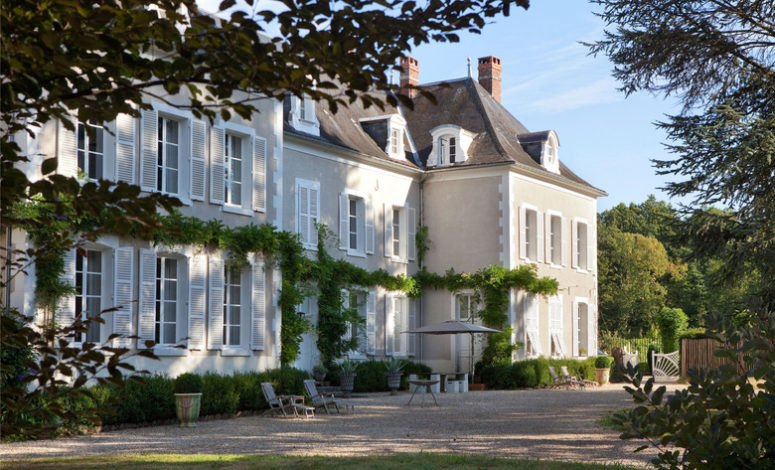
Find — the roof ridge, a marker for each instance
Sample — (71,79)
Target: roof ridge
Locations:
(487,122)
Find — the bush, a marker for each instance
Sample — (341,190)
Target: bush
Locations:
(505,375)
(248,387)
(219,395)
(412,368)
(287,380)
(371,377)
(603,362)
(188,383)
(695,333)
(671,322)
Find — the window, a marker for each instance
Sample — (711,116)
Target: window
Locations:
(394,141)
(396,232)
(580,245)
(166,300)
(90,150)
(303,109)
(397,319)
(232,306)
(447,150)
(88,292)
(233,156)
(530,309)
(307,212)
(555,326)
(356,300)
(167,156)
(582,329)
(529,247)
(353,223)
(555,239)
(464,307)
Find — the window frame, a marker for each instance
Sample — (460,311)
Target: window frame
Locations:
(447,148)
(530,232)
(86,150)
(229,159)
(309,185)
(162,260)
(228,273)
(361,223)
(161,179)
(81,300)
(579,248)
(532,345)
(553,238)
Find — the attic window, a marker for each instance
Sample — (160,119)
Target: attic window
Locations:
(450,145)
(549,158)
(447,150)
(302,116)
(396,144)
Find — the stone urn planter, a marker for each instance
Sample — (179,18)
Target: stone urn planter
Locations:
(393,374)
(188,399)
(603,369)
(347,377)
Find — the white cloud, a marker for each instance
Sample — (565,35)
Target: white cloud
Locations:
(601,91)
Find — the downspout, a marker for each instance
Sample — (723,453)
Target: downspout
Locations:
(8,264)
(421,312)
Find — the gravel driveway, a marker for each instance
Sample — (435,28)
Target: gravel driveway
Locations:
(546,424)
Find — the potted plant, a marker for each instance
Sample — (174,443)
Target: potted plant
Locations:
(603,369)
(319,373)
(188,398)
(347,376)
(393,374)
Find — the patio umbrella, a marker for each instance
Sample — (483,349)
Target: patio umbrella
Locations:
(454,327)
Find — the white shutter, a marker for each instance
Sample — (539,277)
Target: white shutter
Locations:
(344,223)
(314,214)
(123,292)
(197,301)
(302,214)
(150,143)
(369,218)
(390,323)
(574,251)
(548,238)
(522,233)
(389,231)
(125,148)
(539,236)
(258,307)
(147,318)
(591,331)
(411,232)
(575,332)
(65,309)
(564,238)
(198,159)
(591,249)
(371,322)
(259,174)
(215,316)
(217,165)
(411,324)
(67,148)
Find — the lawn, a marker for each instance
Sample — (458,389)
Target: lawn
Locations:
(244,462)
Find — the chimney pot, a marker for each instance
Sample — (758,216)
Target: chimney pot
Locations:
(490,76)
(410,76)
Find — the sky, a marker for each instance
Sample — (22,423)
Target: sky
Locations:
(550,82)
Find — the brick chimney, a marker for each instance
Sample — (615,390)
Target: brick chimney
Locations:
(490,76)
(410,75)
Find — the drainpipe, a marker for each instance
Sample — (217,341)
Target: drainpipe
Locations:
(8,264)
(420,309)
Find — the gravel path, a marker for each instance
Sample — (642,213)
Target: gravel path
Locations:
(547,424)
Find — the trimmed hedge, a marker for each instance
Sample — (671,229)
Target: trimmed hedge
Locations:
(532,372)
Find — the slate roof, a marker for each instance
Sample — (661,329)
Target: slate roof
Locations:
(499,138)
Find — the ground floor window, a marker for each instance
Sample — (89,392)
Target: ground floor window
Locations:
(232,307)
(166,300)
(88,292)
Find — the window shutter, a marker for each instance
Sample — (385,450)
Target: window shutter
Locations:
(411,232)
(591,331)
(344,223)
(258,307)
(522,233)
(125,148)
(123,293)
(548,238)
(150,143)
(540,236)
(369,218)
(371,322)
(259,174)
(198,159)
(65,312)
(564,238)
(388,230)
(399,321)
(147,318)
(575,332)
(215,318)
(389,324)
(314,214)
(217,165)
(197,301)
(302,214)
(67,157)
(574,246)
(591,249)
(411,338)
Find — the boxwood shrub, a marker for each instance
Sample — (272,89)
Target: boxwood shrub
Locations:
(532,372)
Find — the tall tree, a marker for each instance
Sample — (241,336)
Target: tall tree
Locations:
(719,57)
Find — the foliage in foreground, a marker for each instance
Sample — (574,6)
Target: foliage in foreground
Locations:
(231,461)
(722,420)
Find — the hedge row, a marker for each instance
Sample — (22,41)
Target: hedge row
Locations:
(532,372)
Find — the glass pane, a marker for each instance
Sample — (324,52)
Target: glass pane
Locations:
(236,146)
(172,181)
(234,294)
(156,333)
(79,283)
(78,262)
(81,137)
(93,335)
(169,333)
(170,268)
(93,307)
(170,290)
(236,169)
(93,286)
(96,144)
(172,131)
(95,261)
(234,336)
(81,160)
(172,156)
(235,193)
(170,312)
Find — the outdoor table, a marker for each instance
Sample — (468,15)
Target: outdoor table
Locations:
(423,383)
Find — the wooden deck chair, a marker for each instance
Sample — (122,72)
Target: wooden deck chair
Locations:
(287,405)
(584,382)
(326,401)
(563,381)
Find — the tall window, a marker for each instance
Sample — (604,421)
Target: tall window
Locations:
(447,150)
(232,306)
(581,246)
(166,300)
(530,231)
(353,223)
(397,232)
(90,150)
(464,307)
(357,301)
(307,212)
(555,240)
(303,108)
(167,160)
(532,344)
(582,325)
(88,292)
(233,154)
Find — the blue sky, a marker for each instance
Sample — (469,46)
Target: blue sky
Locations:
(549,82)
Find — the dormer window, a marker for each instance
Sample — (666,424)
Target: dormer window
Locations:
(450,145)
(396,142)
(549,158)
(387,131)
(302,115)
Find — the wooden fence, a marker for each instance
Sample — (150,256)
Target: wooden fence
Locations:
(696,353)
